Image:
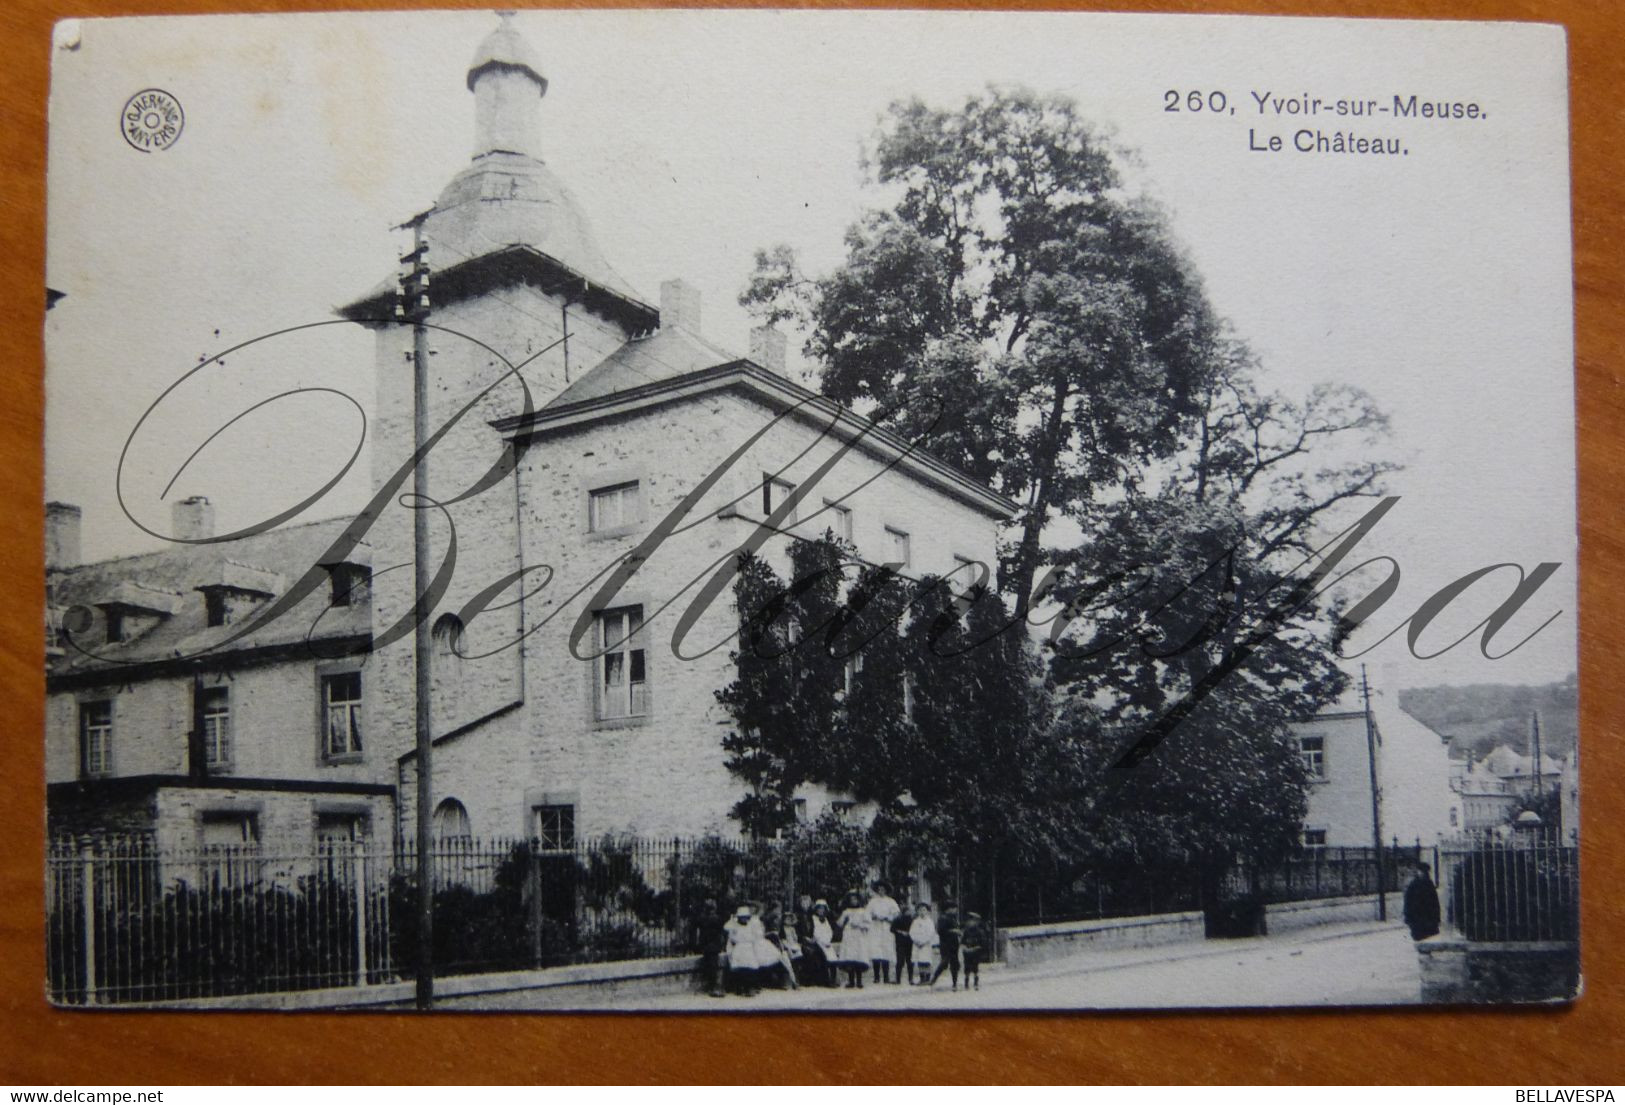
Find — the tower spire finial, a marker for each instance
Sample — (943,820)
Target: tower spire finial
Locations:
(508,87)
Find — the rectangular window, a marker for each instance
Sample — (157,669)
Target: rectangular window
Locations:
(96,738)
(1314,838)
(622,678)
(897,548)
(1313,751)
(774,494)
(843,810)
(341,715)
(230,844)
(611,507)
(555,828)
(214,710)
(840,520)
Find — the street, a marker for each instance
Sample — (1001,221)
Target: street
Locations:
(1351,964)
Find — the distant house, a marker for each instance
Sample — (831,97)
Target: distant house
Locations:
(158,728)
(1412,771)
(1497,786)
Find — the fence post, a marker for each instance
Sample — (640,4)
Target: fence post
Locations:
(677,886)
(87,866)
(360,879)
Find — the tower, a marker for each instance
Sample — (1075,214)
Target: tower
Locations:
(518,285)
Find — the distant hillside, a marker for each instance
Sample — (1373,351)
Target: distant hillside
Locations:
(1478,717)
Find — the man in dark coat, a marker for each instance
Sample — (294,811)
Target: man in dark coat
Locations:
(1422,905)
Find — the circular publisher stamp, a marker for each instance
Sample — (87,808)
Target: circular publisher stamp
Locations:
(152,120)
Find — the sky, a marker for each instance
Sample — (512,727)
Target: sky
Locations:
(1439,280)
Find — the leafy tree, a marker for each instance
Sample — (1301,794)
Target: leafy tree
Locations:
(784,699)
(1019,314)
(1192,575)
(1013,310)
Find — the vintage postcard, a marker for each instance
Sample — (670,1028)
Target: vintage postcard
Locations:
(839,511)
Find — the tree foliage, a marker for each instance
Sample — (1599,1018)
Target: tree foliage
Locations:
(905,694)
(1018,313)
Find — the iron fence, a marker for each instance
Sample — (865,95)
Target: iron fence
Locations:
(1323,872)
(129,922)
(126,922)
(1523,886)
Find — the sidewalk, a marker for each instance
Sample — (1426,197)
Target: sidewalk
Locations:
(1364,963)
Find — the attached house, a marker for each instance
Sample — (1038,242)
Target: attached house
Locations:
(163,723)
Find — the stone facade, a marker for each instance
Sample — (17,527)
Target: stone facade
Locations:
(547,380)
(515,716)
(153,774)
(662,772)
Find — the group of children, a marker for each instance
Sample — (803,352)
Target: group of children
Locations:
(872,936)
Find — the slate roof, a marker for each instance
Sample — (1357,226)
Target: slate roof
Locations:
(668,354)
(177,572)
(675,365)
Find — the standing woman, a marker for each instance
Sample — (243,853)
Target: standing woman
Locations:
(819,946)
(883,910)
(852,947)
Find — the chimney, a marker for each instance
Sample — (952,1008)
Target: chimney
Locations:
(680,306)
(61,535)
(767,348)
(192,519)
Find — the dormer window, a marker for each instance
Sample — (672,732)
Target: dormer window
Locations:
(349,583)
(133,608)
(233,590)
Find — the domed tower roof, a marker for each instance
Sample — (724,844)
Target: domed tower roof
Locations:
(507,213)
(505,199)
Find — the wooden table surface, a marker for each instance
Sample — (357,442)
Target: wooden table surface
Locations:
(1523,1047)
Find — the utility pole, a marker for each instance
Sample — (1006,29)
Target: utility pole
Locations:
(1376,795)
(1537,787)
(413,307)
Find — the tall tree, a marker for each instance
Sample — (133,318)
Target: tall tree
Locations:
(1012,310)
(1017,313)
(1171,587)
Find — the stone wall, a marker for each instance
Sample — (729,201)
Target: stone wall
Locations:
(1282,917)
(1458,971)
(1036,943)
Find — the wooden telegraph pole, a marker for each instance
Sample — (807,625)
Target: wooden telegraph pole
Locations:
(1376,795)
(413,307)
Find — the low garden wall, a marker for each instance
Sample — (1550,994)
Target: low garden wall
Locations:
(1282,917)
(1036,943)
(1461,971)
(648,977)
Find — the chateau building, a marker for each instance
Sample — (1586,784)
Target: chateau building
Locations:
(595,462)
